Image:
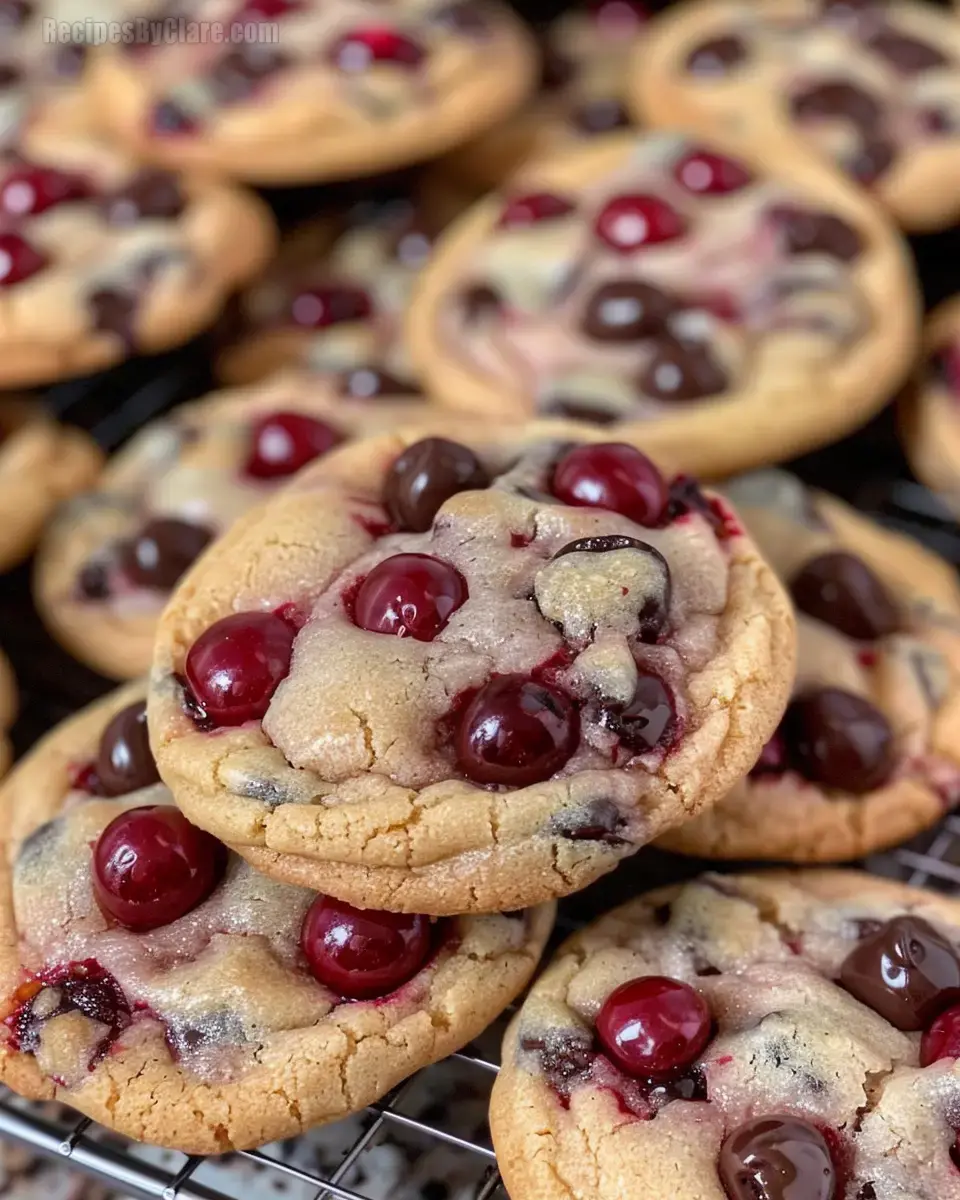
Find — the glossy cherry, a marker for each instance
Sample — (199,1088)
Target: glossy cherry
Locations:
(32,190)
(234,667)
(942,1039)
(620,16)
(269,10)
(532,208)
(283,442)
(516,731)
(709,174)
(125,761)
(151,867)
(362,953)
(330,304)
(615,476)
(654,1027)
(362,48)
(628,223)
(18,259)
(409,595)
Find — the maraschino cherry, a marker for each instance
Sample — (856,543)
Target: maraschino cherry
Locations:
(654,1027)
(151,867)
(709,174)
(615,476)
(234,667)
(629,223)
(362,953)
(409,595)
(532,208)
(18,259)
(283,442)
(942,1039)
(32,190)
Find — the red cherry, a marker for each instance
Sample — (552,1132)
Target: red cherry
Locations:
(628,222)
(320,307)
(268,10)
(361,48)
(283,442)
(528,210)
(709,174)
(234,667)
(409,595)
(654,1027)
(151,867)
(18,259)
(32,190)
(615,476)
(942,1039)
(363,953)
(516,731)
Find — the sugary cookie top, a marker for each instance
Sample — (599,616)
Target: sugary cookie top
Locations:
(752,1038)
(659,273)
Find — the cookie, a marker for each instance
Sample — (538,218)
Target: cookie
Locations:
(867,753)
(791,1036)
(930,407)
(162,987)
(317,91)
(442,678)
(8,710)
(101,259)
(585,59)
(111,556)
(673,295)
(333,299)
(41,464)
(873,88)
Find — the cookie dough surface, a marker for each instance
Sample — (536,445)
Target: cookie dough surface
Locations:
(674,295)
(866,755)
(653,661)
(331,90)
(873,88)
(930,408)
(209,1033)
(802,1029)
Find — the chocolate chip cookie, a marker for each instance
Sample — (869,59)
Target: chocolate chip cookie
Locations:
(676,296)
(111,556)
(930,407)
(41,464)
(791,1036)
(442,677)
(584,68)
(158,984)
(101,259)
(873,88)
(314,91)
(867,753)
(333,300)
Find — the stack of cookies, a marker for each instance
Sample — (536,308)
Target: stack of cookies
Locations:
(424,619)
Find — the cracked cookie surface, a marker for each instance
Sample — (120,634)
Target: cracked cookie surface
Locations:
(872,88)
(866,755)
(438,677)
(101,258)
(674,295)
(42,464)
(330,91)
(110,558)
(189,1001)
(742,1038)
(930,408)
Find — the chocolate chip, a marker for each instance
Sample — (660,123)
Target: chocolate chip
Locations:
(577,410)
(717,56)
(687,496)
(426,475)
(125,761)
(777,1158)
(464,17)
(842,591)
(598,821)
(838,98)
(682,371)
(93,582)
(9,75)
(840,740)
(479,300)
(114,311)
(366,383)
(647,721)
(602,115)
(240,72)
(162,551)
(907,972)
(565,1056)
(150,193)
(806,232)
(867,1192)
(872,159)
(556,69)
(626,310)
(906,54)
(69,60)
(168,117)
(603,544)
